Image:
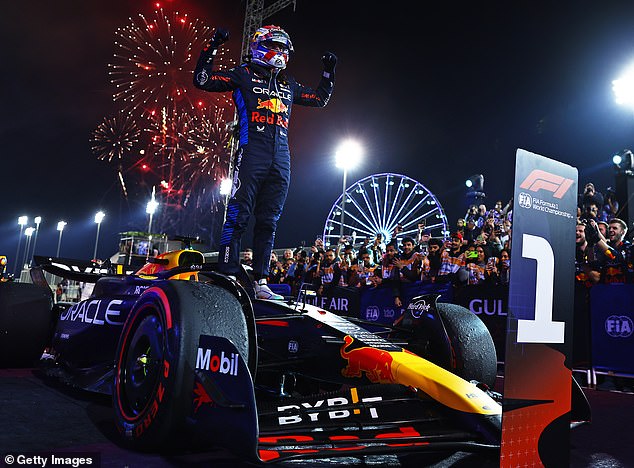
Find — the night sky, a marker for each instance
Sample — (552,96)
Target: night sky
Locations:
(437,95)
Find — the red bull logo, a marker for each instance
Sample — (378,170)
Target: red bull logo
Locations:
(376,363)
(269,119)
(274,105)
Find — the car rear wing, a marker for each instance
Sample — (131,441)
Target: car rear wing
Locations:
(78,270)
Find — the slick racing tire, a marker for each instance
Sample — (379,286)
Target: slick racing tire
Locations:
(26,318)
(155,358)
(474,356)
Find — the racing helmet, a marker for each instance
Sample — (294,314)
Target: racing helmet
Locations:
(271,46)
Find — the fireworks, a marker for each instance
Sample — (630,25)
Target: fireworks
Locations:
(190,152)
(183,129)
(114,137)
(168,136)
(210,136)
(154,64)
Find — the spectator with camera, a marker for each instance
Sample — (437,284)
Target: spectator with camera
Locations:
(494,245)
(363,274)
(297,270)
(474,267)
(481,217)
(590,195)
(499,211)
(503,267)
(396,232)
(471,231)
(388,272)
(422,239)
(451,259)
(377,248)
(505,234)
(329,270)
(347,258)
(409,262)
(472,213)
(313,264)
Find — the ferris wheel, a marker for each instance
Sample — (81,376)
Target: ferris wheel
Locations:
(377,204)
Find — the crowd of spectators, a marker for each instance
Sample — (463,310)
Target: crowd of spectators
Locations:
(478,251)
(603,253)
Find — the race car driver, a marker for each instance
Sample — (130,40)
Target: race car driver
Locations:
(263,95)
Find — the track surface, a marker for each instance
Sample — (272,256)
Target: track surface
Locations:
(37,415)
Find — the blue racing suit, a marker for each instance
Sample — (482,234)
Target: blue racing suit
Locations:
(263,98)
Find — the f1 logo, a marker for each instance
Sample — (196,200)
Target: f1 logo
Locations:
(539,179)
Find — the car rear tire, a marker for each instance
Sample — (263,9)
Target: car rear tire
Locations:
(155,359)
(26,318)
(474,356)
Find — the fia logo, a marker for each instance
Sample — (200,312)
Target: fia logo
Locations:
(619,326)
(293,346)
(372,313)
(525,200)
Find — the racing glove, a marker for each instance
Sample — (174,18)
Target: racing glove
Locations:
(220,37)
(330,61)
(209,52)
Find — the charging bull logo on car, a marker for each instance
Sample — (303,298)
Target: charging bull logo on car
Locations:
(376,363)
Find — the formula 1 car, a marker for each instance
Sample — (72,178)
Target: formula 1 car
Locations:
(192,359)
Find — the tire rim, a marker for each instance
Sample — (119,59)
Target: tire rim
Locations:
(142,365)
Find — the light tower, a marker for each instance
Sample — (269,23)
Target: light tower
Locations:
(255,13)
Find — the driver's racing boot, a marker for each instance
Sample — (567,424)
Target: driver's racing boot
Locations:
(262,291)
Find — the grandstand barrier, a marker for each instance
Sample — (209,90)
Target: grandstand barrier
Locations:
(612,329)
(603,328)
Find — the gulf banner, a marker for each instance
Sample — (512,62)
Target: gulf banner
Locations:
(537,372)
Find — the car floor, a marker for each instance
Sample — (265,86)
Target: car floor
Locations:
(38,415)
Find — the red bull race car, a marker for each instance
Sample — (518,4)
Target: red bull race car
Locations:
(193,360)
